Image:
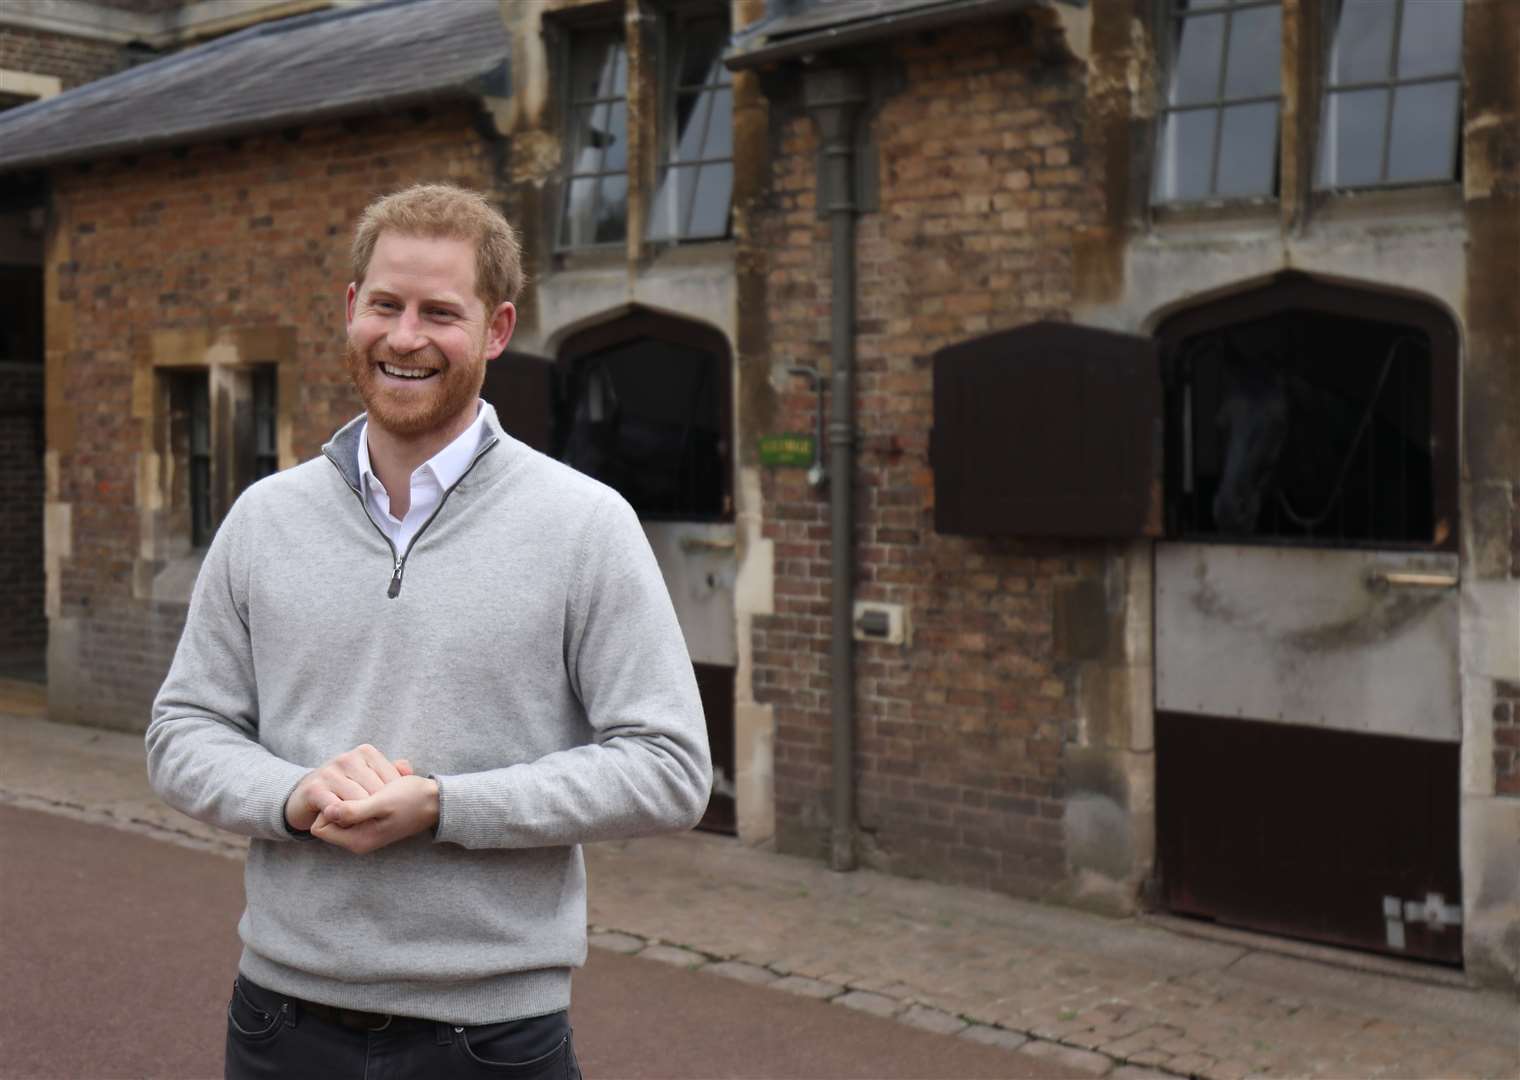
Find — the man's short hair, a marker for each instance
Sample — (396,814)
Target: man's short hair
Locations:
(443,211)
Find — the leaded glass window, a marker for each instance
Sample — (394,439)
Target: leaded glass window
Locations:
(189,446)
(213,455)
(266,454)
(696,179)
(596,184)
(197,393)
(1393,98)
(1218,130)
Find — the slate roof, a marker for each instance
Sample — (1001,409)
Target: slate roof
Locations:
(334,63)
(814,26)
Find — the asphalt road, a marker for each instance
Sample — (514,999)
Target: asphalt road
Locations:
(118,951)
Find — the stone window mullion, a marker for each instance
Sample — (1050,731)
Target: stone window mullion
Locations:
(646,47)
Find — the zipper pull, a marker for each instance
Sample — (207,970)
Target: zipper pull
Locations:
(395,588)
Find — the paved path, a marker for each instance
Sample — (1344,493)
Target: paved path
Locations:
(1122,998)
(120,951)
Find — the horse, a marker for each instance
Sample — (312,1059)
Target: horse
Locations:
(1254,415)
(1300,459)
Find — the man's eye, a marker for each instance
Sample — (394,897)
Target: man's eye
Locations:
(384,304)
(441,313)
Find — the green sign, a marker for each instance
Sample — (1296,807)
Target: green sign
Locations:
(786,451)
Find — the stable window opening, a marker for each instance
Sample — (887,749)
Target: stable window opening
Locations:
(647,416)
(1308,427)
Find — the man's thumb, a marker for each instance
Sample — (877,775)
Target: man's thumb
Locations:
(403,766)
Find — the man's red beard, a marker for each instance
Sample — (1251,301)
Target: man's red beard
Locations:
(408,413)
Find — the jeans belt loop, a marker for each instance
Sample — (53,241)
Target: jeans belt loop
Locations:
(443,1033)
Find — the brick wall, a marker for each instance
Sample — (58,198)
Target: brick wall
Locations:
(23,624)
(246,235)
(961,734)
(73,60)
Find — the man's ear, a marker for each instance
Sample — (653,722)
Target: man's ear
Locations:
(348,305)
(499,329)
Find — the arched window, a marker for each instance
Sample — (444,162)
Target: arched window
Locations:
(643,405)
(1310,413)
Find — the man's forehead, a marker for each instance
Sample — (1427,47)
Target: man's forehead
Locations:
(442,262)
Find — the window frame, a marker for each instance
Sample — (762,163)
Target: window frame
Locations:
(1328,16)
(673,23)
(570,34)
(1166,16)
(265,397)
(211,431)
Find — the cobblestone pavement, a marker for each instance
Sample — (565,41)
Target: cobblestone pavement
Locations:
(1121,998)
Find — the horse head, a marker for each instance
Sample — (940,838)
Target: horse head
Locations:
(1253,415)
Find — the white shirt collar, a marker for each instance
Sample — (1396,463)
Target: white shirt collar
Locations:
(447,466)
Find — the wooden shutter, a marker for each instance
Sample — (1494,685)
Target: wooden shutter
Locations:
(520,387)
(1048,429)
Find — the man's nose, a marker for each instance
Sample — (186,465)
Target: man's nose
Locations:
(405,334)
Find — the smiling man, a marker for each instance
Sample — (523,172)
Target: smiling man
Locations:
(417,766)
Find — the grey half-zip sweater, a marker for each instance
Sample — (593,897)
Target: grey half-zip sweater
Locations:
(530,661)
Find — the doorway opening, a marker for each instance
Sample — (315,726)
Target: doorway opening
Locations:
(1307,682)
(643,403)
(23,618)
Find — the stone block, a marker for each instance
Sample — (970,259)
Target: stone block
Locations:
(936,1020)
(742,972)
(994,1036)
(674,955)
(615,942)
(806,987)
(1069,1057)
(865,1001)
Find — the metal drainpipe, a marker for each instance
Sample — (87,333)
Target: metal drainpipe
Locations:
(835,96)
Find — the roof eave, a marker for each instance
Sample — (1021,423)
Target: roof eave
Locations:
(469,91)
(875,29)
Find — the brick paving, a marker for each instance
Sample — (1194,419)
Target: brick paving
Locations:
(1125,999)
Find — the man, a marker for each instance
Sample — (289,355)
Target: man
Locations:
(419,671)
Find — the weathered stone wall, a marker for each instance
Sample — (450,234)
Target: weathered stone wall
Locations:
(962,733)
(224,254)
(1456,245)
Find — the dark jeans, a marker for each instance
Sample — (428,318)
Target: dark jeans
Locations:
(270,1035)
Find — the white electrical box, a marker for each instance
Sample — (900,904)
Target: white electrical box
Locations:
(884,623)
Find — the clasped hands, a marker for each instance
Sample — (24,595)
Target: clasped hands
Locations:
(361,801)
